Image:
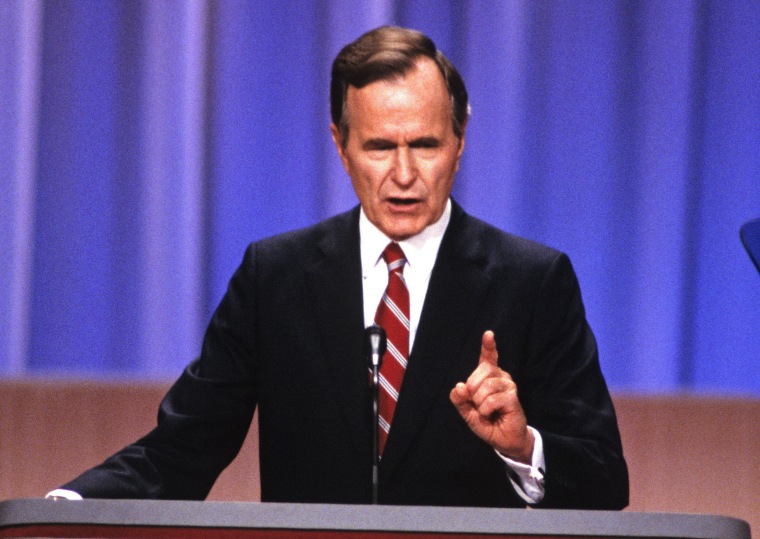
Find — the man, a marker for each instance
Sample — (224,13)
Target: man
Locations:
(287,337)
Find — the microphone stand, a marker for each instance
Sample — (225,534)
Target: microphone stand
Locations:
(375,345)
(375,437)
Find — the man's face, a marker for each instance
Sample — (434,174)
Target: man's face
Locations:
(401,152)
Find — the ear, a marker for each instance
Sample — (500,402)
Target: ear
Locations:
(338,141)
(460,150)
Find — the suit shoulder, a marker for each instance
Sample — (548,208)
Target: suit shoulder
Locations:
(303,242)
(507,248)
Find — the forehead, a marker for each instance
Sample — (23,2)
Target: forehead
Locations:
(417,98)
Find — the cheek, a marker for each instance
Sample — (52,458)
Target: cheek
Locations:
(369,177)
(443,181)
(365,184)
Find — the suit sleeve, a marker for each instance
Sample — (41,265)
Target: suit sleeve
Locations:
(203,419)
(566,398)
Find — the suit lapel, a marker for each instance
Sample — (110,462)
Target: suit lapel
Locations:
(457,287)
(334,283)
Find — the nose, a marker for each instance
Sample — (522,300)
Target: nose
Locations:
(404,169)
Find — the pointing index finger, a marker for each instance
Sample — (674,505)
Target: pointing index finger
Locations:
(488,353)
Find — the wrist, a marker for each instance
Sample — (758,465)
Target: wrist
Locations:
(523,452)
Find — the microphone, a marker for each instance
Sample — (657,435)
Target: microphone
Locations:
(375,343)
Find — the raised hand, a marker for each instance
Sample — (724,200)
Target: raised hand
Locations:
(488,403)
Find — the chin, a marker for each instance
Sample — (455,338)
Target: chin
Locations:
(401,231)
(404,234)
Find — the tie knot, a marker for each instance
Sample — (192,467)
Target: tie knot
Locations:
(394,257)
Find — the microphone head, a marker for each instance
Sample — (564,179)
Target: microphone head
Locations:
(375,343)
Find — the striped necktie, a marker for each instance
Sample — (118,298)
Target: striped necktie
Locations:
(393,316)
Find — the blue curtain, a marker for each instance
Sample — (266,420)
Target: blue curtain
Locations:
(143,145)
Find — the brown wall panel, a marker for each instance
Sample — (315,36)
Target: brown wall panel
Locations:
(685,454)
(693,454)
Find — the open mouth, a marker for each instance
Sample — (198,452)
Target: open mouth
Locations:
(403,201)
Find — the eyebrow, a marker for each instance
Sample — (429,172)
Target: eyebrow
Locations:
(386,144)
(378,144)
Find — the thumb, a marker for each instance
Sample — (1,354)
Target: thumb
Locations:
(460,395)
(460,398)
(488,352)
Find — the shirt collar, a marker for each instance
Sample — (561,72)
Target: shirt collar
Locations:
(418,249)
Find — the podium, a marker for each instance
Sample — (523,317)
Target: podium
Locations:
(143,519)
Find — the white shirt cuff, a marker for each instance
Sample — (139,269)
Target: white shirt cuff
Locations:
(528,480)
(63,494)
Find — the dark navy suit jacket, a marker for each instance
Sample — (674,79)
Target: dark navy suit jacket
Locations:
(287,338)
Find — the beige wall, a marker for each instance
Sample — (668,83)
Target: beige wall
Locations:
(685,454)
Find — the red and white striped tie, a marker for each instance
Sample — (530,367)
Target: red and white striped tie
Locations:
(393,316)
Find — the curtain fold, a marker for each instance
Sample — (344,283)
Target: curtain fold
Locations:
(21,24)
(145,144)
